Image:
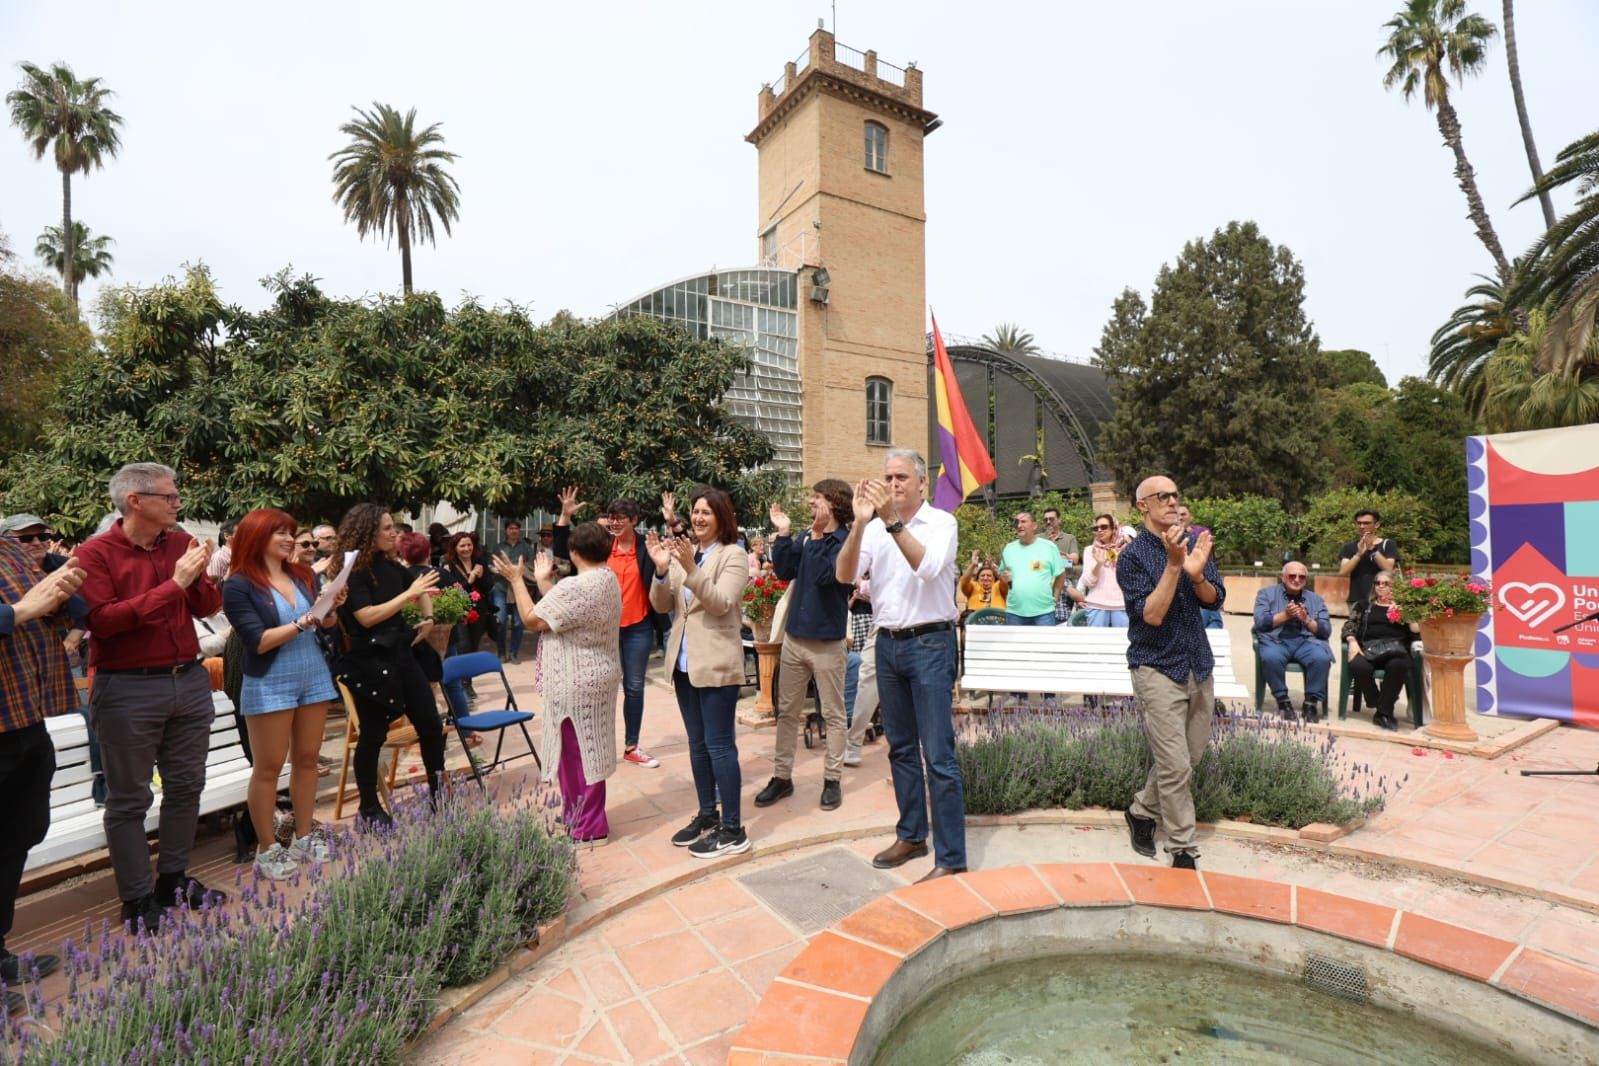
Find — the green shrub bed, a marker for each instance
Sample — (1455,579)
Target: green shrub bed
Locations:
(347,973)
(1270,772)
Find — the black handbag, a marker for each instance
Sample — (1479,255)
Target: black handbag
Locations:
(1384,648)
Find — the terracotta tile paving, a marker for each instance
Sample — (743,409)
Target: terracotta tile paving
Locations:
(654,935)
(1451,948)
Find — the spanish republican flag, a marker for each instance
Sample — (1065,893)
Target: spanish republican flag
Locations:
(966,465)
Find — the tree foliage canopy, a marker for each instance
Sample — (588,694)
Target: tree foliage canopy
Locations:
(316,403)
(40,335)
(1215,382)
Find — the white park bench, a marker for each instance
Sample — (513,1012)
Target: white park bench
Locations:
(1088,660)
(76,823)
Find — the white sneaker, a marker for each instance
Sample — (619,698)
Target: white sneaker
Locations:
(276,863)
(313,847)
(852,754)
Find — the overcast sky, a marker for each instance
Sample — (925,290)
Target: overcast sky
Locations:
(602,153)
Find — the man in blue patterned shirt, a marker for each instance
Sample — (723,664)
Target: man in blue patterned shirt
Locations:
(1168,580)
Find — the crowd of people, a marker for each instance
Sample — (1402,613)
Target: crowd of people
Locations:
(875,596)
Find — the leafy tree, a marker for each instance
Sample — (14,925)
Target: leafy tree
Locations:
(315,403)
(1329,523)
(68,117)
(1521,393)
(1513,61)
(1247,529)
(1429,41)
(1215,386)
(1010,339)
(40,335)
(1347,366)
(91,256)
(390,178)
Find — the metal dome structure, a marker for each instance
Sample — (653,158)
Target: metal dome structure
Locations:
(1046,415)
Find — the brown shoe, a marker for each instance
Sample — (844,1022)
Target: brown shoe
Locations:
(899,853)
(941,871)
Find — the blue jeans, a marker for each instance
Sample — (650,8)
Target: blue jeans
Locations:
(1311,654)
(1046,619)
(1212,617)
(852,681)
(634,642)
(915,684)
(712,749)
(510,623)
(1106,619)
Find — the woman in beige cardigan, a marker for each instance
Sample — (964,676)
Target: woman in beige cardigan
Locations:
(702,577)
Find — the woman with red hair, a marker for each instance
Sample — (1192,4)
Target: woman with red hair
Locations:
(287,687)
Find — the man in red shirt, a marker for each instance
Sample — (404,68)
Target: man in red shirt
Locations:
(151,701)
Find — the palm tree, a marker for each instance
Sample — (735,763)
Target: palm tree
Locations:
(1462,346)
(390,178)
(1521,114)
(57,112)
(1011,339)
(1520,393)
(90,257)
(1563,270)
(1429,41)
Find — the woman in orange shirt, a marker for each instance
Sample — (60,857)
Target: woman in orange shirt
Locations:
(981,585)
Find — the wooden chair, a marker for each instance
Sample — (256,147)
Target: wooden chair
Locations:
(401,736)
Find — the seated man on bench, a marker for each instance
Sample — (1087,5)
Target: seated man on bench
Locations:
(1292,624)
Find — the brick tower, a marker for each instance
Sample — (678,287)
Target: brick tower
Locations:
(840,143)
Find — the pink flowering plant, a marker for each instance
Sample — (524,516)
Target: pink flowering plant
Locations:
(1422,597)
(449,607)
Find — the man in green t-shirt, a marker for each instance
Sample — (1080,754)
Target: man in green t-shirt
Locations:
(1035,571)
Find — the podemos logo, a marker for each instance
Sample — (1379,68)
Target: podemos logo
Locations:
(1531,604)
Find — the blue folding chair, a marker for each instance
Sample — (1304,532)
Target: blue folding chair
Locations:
(459,668)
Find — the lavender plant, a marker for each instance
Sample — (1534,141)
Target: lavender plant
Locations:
(1074,757)
(348,974)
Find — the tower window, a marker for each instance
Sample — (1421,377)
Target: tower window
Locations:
(879,411)
(877,147)
(769,247)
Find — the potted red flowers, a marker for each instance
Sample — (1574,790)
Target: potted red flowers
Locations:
(760,602)
(1448,607)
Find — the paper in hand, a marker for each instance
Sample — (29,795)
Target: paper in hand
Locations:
(324,603)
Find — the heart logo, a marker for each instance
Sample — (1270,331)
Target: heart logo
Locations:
(1532,604)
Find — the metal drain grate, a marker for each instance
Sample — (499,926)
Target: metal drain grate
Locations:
(1335,978)
(814,892)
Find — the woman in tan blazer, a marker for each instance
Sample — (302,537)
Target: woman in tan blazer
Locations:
(701,577)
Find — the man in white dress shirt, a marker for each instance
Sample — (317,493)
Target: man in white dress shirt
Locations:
(908,545)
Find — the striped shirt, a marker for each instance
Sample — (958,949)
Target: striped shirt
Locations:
(34,677)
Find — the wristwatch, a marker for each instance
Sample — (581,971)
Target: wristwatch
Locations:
(894,527)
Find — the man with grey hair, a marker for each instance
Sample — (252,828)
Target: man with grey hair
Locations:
(145,585)
(908,546)
(1167,579)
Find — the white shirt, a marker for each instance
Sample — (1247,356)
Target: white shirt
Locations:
(902,597)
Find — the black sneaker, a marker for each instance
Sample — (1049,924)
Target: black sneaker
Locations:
(1311,709)
(145,911)
(14,1001)
(1183,860)
(703,823)
(775,789)
(1285,707)
(832,796)
(171,889)
(723,841)
(14,970)
(1141,831)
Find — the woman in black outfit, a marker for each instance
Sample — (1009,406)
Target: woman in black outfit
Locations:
(466,567)
(383,674)
(1375,643)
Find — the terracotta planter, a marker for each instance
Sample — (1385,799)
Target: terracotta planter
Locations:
(438,639)
(1447,649)
(765,667)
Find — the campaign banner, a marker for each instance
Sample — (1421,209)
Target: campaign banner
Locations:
(1535,538)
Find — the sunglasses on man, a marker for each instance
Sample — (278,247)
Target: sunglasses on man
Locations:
(33,538)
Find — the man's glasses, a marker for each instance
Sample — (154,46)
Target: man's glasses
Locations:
(1295,577)
(1164,497)
(33,538)
(171,497)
